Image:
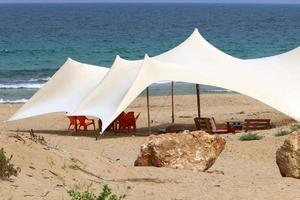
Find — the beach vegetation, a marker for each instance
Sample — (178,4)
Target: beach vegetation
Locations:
(294,127)
(7,169)
(106,194)
(250,136)
(282,133)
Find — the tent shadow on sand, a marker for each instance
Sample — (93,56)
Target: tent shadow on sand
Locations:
(141,132)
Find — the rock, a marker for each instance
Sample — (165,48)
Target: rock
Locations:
(196,151)
(288,156)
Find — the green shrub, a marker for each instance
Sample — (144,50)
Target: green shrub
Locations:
(294,127)
(250,136)
(282,133)
(86,195)
(7,169)
(106,194)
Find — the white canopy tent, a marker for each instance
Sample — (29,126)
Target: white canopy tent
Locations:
(272,80)
(64,91)
(82,89)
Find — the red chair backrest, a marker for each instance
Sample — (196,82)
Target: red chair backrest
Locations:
(121,118)
(72,119)
(130,119)
(81,119)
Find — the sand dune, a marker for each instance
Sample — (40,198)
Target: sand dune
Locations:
(77,159)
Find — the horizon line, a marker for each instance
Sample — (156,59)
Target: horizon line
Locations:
(155,2)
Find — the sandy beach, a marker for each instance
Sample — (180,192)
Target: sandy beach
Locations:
(72,159)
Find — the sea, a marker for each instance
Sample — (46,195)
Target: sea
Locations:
(36,39)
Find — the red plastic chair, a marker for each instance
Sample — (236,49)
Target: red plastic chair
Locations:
(72,122)
(121,122)
(130,121)
(85,122)
(127,121)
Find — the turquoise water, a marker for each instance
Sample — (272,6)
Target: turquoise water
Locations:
(35,39)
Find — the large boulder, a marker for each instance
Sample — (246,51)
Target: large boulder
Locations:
(196,151)
(288,156)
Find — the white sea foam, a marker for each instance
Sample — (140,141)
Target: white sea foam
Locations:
(22,85)
(38,79)
(34,83)
(2,101)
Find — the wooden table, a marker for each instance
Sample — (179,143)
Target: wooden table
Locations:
(237,125)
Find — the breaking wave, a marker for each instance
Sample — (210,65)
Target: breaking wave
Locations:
(33,83)
(7,101)
(21,86)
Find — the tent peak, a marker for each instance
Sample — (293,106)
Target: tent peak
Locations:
(146,56)
(72,60)
(196,30)
(69,60)
(117,58)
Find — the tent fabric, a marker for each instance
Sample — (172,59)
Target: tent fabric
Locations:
(272,80)
(64,91)
(106,97)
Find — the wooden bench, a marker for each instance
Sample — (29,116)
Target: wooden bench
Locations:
(209,125)
(257,124)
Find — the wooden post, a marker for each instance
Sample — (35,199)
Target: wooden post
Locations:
(100,125)
(173,117)
(99,128)
(198,100)
(148,111)
(75,123)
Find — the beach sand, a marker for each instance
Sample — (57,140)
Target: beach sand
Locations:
(77,160)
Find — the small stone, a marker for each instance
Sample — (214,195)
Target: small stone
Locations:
(216,172)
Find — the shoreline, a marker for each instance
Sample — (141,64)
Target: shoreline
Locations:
(21,94)
(23,101)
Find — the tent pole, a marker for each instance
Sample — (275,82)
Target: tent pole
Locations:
(100,125)
(173,118)
(198,100)
(148,111)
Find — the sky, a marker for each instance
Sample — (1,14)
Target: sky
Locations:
(163,1)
